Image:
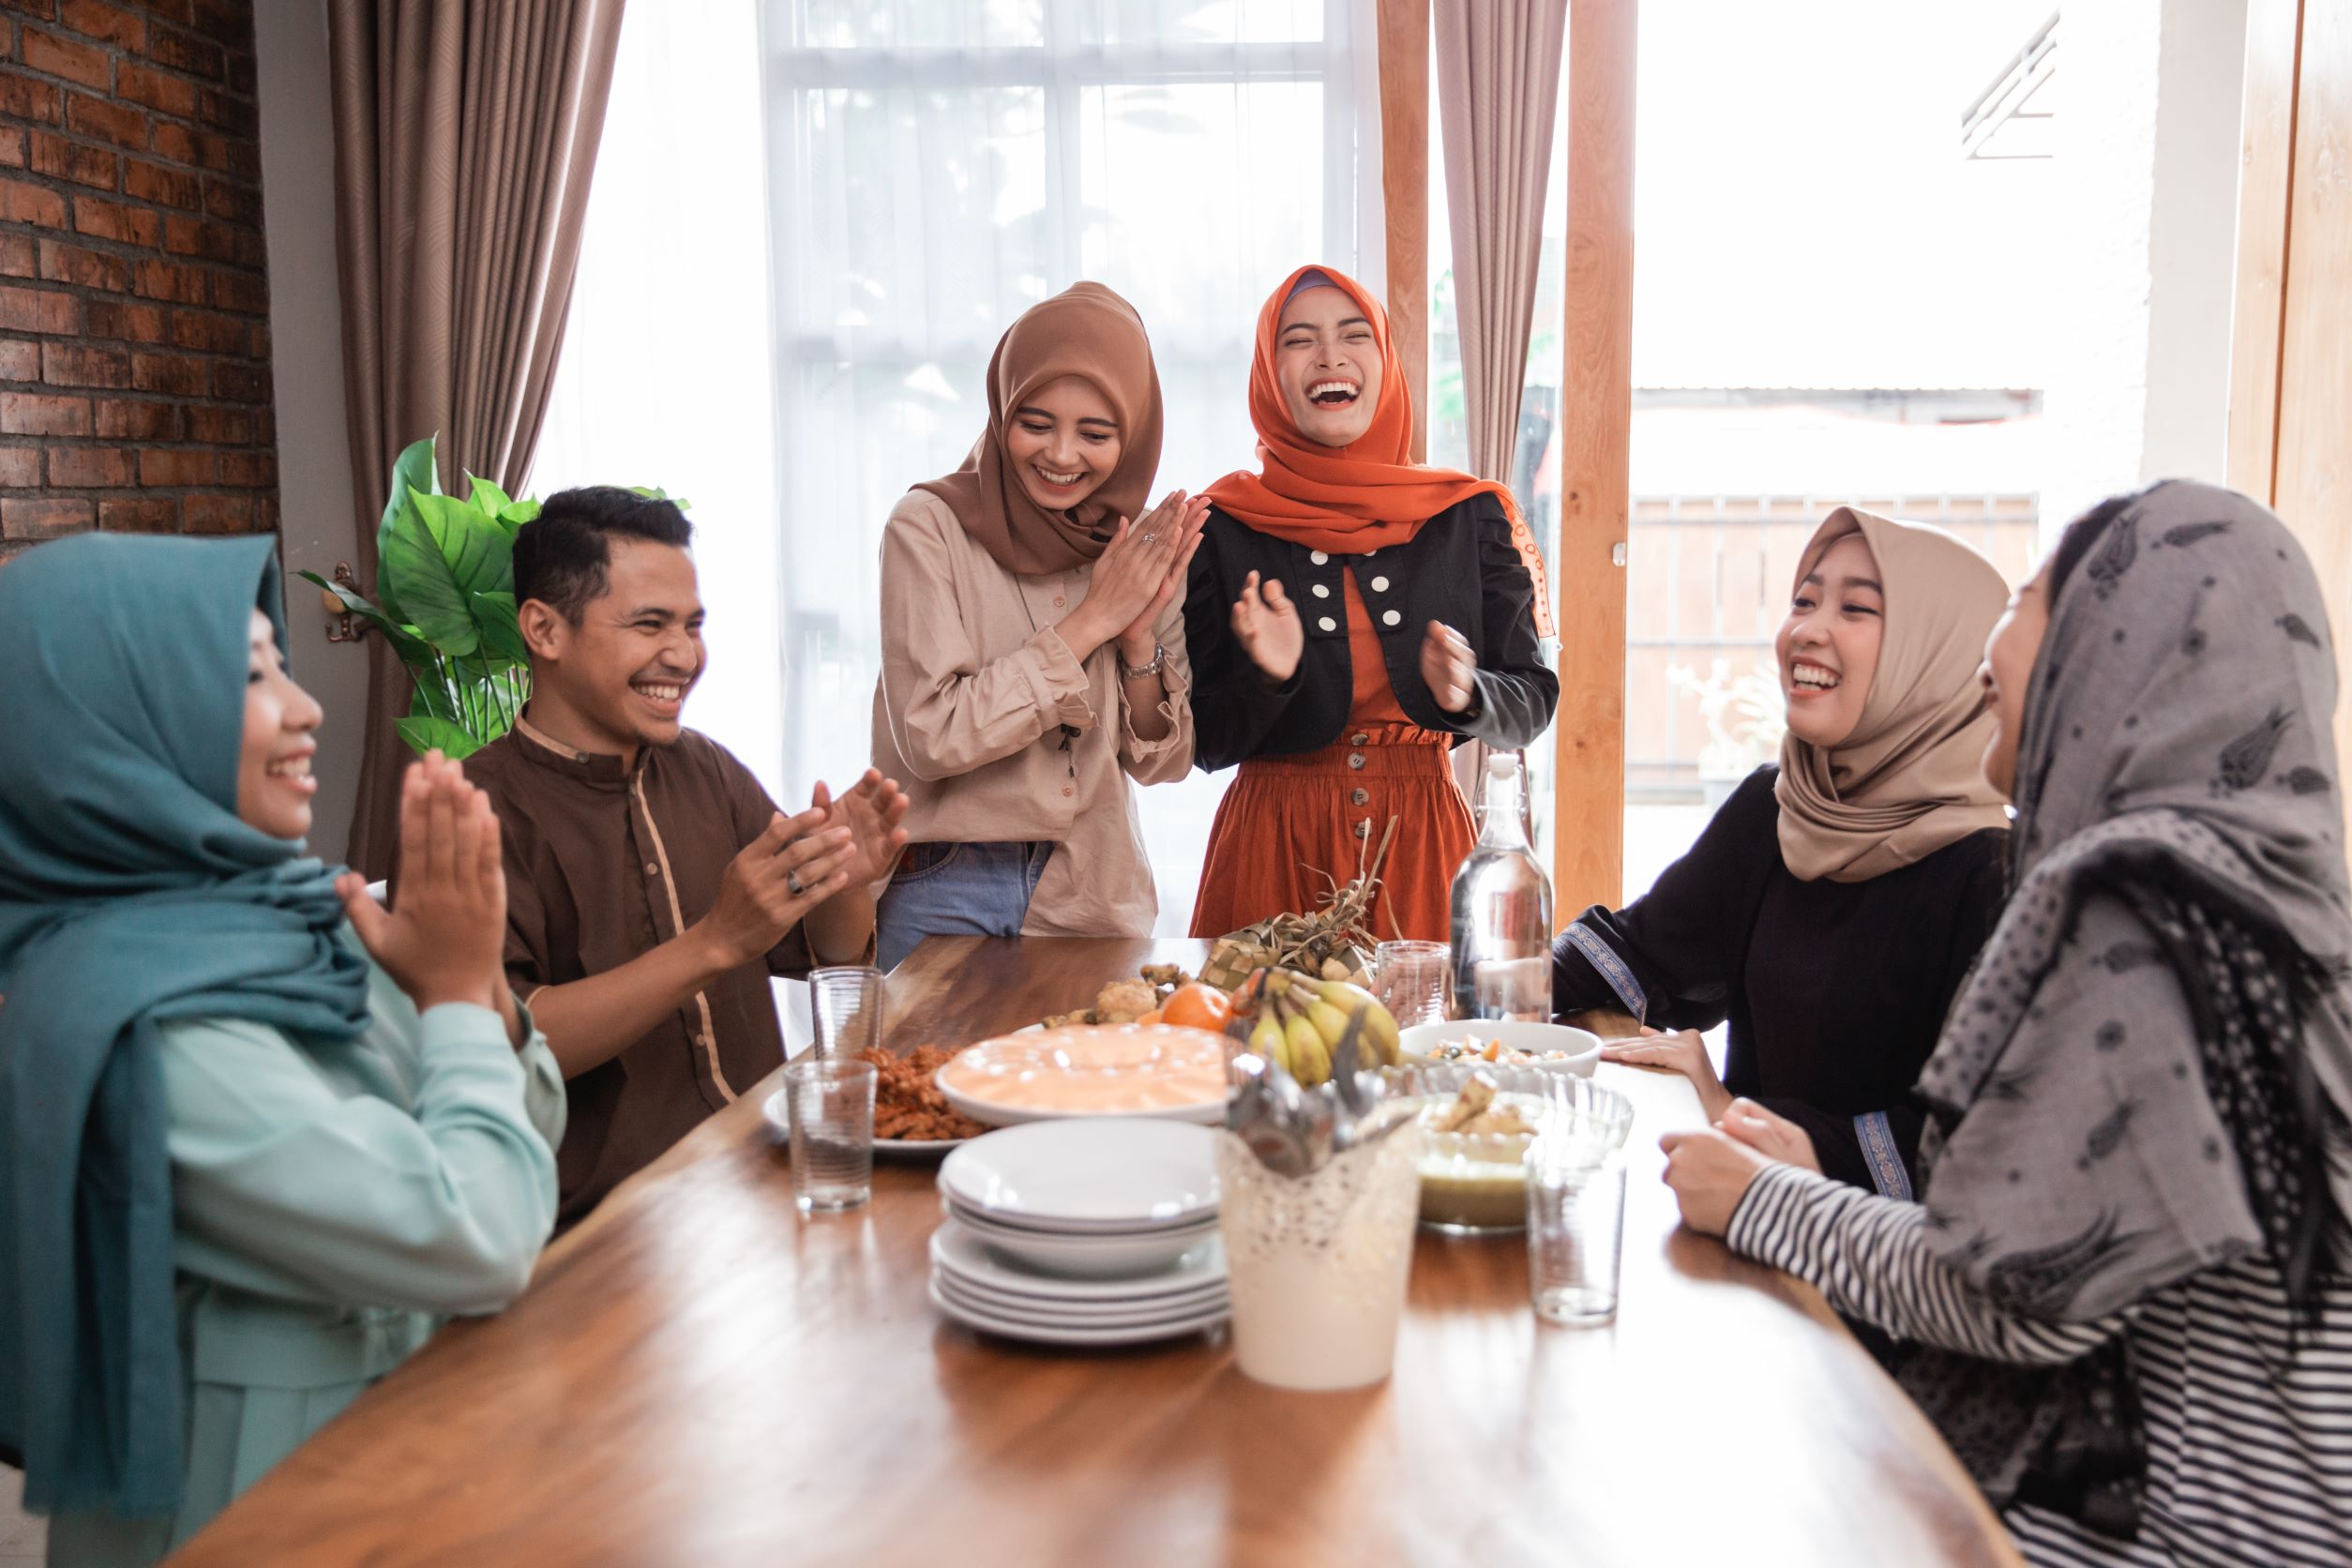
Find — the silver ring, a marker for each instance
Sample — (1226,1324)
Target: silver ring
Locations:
(792,879)
(1147,538)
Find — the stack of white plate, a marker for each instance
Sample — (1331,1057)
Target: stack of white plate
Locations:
(1083,1232)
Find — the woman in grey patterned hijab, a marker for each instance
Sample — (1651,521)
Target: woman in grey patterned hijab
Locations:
(2126,1294)
(2179,841)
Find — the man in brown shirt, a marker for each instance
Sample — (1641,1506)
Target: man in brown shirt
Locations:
(651,885)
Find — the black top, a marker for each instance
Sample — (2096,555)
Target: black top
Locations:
(1460,568)
(1835,991)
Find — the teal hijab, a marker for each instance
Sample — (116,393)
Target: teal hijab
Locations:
(130,894)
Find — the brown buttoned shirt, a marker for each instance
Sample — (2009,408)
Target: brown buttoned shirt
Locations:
(604,862)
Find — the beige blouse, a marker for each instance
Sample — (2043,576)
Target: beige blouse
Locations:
(978,693)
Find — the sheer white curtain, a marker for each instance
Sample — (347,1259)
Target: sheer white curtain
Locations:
(937,166)
(665,378)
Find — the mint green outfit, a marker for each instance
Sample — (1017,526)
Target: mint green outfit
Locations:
(240,1178)
(333,1202)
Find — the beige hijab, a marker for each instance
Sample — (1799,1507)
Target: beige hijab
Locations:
(1910,779)
(1085,331)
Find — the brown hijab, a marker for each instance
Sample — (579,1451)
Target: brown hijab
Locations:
(1085,331)
(1910,779)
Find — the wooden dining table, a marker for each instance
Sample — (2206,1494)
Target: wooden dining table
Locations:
(698,1375)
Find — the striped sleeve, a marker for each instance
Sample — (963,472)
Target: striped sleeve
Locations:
(1869,1254)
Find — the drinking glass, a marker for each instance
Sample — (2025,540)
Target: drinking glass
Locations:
(1514,988)
(845,1009)
(830,1101)
(1575,1229)
(1410,978)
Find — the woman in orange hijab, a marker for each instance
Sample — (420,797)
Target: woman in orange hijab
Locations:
(1350,615)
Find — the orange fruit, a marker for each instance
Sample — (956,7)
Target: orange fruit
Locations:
(1199,1007)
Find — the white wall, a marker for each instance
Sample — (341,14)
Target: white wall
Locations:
(307,368)
(2143,254)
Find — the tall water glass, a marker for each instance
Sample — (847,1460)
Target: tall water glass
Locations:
(830,1101)
(1575,1231)
(1411,978)
(845,1009)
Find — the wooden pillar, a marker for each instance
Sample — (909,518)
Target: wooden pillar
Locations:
(1595,479)
(2290,407)
(1404,67)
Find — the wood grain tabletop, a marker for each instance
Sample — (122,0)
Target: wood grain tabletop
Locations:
(698,1376)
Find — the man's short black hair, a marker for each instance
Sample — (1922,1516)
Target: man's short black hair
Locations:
(561,554)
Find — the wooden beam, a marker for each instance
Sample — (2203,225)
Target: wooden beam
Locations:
(2309,486)
(2265,183)
(1595,478)
(1404,67)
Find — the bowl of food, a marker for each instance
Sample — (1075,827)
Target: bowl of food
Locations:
(1552,1048)
(1473,1159)
(1129,1069)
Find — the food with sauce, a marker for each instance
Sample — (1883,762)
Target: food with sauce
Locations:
(907,1105)
(1092,1070)
(1473,1159)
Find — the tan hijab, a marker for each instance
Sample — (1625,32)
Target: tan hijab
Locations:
(1910,779)
(1085,331)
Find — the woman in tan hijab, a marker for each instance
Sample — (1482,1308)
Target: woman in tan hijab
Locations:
(1832,906)
(1032,645)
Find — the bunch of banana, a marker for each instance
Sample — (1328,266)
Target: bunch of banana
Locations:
(1297,1021)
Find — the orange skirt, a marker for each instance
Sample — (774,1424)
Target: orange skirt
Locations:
(1286,819)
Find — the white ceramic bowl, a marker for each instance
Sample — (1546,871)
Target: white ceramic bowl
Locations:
(1581,1046)
(1126,1257)
(1087,1176)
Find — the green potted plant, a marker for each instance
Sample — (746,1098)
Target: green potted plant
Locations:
(446,603)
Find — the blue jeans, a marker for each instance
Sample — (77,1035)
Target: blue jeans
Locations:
(956,890)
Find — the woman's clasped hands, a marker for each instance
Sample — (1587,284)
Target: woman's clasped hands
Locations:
(445,938)
(1710,1171)
(1139,573)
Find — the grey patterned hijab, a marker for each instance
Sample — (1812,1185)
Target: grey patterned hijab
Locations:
(2148,1072)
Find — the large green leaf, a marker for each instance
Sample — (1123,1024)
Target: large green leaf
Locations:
(441,553)
(412,470)
(655,493)
(404,639)
(502,635)
(514,515)
(487,498)
(425,733)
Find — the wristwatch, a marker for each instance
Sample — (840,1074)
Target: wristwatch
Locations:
(1136,671)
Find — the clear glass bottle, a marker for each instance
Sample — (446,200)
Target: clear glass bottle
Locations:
(1502,911)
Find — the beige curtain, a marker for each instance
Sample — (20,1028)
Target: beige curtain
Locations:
(465,132)
(1498,65)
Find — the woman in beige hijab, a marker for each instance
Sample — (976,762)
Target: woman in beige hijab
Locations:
(1832,906)
(1032,645)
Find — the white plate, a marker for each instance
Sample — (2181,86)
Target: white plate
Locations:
(1087,1315)
(1088,1174)
(780,1123)
(959,1251)
(1200,1044)
(1058,1335)
(1583,1046)
(1108,1257)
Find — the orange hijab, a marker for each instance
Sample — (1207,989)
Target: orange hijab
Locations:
(1363,496)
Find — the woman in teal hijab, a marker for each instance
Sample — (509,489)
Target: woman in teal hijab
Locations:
(257,1135)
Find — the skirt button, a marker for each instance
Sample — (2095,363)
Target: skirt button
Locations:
(1359,797)
(1355,759)
(1360,738)
(1363,830)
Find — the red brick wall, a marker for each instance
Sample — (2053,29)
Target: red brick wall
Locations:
(134,298)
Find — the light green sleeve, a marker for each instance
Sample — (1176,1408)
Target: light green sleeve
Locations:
(294,1174)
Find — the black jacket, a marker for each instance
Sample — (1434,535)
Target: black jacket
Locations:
(1460,568)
